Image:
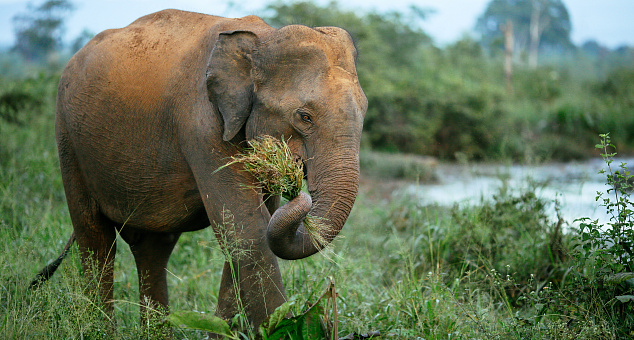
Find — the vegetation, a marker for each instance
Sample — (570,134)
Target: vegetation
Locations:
(501,269)
(537,24)
(452,102)
(280,173)
(39,31)
(273,165)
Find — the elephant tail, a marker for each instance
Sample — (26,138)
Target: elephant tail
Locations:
(50,269)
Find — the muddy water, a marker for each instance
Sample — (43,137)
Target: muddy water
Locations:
(573,185)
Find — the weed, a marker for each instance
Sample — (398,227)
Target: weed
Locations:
(604,268)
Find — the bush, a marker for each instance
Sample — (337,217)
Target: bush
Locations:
(397,166)
(512,234)
(22,99)
(604,272)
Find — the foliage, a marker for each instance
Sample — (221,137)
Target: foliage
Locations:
(451,102)
(11,103)
(430,273)
(311,323)
(200,321)
(511,235)
(407,269)
(39,32)
(29,95)
(602,105)
(605,264)
(552,15)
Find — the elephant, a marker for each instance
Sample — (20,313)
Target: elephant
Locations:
(147,115)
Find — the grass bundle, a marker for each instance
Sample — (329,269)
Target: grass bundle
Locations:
(278,172)
(273,165)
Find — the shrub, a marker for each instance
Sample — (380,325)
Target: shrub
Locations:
(604,273)
(513,234)
(397,166)
(21,99)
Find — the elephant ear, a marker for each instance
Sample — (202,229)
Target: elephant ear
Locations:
(229,83)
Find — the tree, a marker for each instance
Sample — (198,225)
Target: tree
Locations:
(537,25)
(39,31)
(593,48)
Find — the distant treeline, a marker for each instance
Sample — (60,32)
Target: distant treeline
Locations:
(453,102)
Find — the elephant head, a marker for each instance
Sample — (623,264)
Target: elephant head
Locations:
(300,84)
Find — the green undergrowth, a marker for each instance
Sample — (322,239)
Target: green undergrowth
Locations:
(500,269)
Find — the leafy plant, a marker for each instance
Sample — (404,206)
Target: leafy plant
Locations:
(611,246)
(605,267)
(21,98)
(511,234)
(311,323)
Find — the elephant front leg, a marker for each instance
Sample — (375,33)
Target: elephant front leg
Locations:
(252,288)
(251,281)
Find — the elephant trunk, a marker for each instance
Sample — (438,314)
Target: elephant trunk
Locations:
(333,183)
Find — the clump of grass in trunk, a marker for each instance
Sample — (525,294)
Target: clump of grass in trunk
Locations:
(278,172)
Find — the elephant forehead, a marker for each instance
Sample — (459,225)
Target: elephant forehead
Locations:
(329,46)
(307,69)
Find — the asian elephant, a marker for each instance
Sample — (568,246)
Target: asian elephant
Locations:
(147,114)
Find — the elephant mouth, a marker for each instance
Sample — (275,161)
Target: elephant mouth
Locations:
(304,168)
(300,160)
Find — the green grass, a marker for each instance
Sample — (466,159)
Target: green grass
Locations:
(498,270)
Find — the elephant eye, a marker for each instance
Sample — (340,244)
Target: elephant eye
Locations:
(305,117)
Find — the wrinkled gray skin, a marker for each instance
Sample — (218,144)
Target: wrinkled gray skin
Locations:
(146,114)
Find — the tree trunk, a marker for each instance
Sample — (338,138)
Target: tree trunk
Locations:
(534,34)
(509,43)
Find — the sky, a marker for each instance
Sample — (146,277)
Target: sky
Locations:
(607,21)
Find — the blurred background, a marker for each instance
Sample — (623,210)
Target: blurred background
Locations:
(486,80)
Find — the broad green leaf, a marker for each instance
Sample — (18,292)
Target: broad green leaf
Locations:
(288,329)
(312,324)
(306,326)
(275,319)
(625,298)
(200,321)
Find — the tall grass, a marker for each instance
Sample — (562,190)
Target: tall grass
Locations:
(499,269)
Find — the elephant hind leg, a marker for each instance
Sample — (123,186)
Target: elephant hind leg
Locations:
(151,253)
(95,234)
